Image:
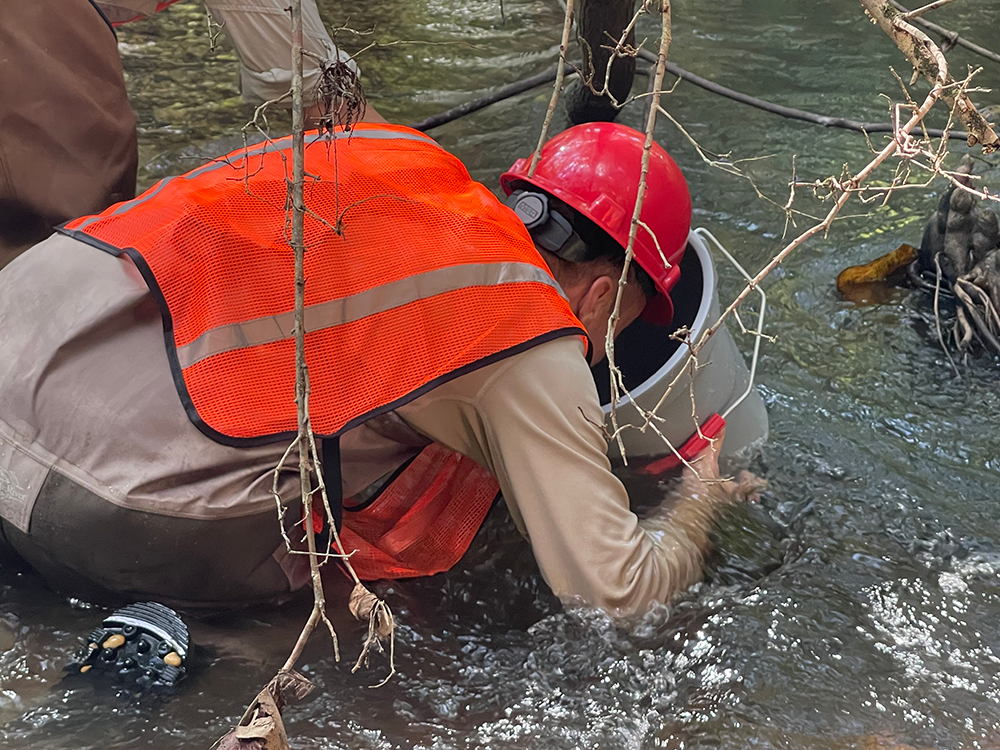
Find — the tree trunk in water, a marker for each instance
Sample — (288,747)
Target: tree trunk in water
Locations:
(600,24)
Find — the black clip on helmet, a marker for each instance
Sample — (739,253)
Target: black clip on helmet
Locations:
(548,228)
(146,643)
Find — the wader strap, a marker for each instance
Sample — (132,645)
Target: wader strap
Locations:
(332,477)
(101,12)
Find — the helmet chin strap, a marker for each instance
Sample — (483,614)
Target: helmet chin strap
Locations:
(548,228)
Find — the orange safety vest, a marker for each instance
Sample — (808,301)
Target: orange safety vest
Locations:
(415,274)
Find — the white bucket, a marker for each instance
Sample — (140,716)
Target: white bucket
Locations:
(650,360)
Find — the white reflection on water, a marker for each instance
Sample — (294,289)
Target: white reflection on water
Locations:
(923,626)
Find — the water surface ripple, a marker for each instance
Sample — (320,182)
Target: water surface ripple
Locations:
(856,608)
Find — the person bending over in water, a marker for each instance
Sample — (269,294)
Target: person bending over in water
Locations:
(449,339)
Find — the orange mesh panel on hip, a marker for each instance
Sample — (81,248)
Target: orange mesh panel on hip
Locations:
(424,521)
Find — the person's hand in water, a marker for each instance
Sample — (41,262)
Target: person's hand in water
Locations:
(679,528)
(704,479)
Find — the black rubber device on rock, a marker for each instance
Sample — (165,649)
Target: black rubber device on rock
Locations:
(146,643)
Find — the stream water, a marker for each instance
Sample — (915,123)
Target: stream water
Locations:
(857,607)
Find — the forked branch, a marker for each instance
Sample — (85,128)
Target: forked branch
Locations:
(928,62)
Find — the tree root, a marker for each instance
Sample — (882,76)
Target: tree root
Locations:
(985,328)
(961,245)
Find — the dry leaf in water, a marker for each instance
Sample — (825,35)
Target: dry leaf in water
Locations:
(871,282)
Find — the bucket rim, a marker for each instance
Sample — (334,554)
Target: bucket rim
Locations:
(668,368)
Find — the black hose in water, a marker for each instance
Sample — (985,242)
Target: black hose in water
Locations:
(504,92)
(549,75)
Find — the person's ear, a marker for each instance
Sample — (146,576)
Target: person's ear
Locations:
(596,305)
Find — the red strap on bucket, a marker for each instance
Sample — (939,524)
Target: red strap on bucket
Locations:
(695,445)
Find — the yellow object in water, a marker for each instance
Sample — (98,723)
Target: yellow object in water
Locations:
(173,659)
(878,270)
(114,641)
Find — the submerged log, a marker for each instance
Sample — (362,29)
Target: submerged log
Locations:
(600,24)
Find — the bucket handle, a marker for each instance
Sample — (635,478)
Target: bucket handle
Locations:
(705,234)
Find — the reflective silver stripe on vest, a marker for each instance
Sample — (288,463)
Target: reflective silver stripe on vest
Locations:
(357,306)
(371,135)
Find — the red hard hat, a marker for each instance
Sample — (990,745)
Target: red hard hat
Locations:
(595,168)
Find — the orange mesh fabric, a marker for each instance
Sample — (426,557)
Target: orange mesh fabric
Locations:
(424,521)
(388,209)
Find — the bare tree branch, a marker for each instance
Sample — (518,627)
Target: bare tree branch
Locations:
(951,37)
(927,61)
(902,145)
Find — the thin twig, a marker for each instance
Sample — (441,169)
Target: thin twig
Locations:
(556,89)
(609,343)
(843,189)
(621,49)
(301,369)
(951,36)
(920,11)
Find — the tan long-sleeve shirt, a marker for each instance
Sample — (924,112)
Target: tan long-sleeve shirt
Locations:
(260,31)
(86,391)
